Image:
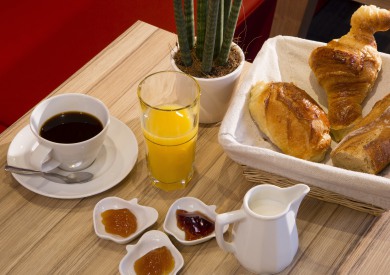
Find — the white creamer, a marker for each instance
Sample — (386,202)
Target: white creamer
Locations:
(265,237)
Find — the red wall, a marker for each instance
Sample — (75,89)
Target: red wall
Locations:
(43,42)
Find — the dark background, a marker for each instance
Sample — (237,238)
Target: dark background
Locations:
(332,21)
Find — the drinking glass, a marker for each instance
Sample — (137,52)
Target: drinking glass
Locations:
(169,103)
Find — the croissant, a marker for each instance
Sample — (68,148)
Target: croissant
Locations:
(291,119)
(347,68)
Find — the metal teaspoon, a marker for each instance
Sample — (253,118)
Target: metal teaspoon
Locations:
(74,177)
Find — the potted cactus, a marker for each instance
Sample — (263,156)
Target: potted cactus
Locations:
(209,54)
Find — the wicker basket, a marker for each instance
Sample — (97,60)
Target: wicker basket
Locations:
(261,177)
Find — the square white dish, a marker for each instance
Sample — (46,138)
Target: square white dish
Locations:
(284,58)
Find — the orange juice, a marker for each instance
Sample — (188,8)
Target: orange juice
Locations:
(170,135)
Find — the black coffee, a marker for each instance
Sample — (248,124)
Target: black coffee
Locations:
(71,127)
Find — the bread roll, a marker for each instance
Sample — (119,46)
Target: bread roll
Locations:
(291,119)
(376,111)
(347,68)
(367,149)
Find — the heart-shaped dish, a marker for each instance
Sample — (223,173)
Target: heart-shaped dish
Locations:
(149,241)
(145,215)
(189,204)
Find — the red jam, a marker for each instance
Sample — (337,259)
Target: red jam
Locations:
(195,224)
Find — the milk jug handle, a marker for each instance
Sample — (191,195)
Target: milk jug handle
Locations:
(221,221)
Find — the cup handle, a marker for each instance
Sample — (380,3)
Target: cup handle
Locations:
(41,158)
(221,221)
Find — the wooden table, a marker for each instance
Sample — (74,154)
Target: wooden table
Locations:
(42,235)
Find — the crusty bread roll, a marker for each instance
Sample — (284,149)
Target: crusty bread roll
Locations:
(376,111)
(347,68)
(367,149)
(291,119)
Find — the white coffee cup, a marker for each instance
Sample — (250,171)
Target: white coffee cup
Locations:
(47,155)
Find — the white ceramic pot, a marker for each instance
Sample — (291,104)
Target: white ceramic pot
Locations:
(265,234)
(216,92)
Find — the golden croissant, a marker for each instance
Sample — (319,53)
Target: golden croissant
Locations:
(347,68)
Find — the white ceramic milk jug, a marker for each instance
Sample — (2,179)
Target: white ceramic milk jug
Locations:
(265,238)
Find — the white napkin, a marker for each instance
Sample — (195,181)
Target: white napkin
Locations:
(284,58)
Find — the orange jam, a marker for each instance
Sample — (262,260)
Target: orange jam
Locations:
(194,224)
(120,222)
(157,261)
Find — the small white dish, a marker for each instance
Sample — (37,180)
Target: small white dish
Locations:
(114,162)
(189,204)
(145,215)
(149,241)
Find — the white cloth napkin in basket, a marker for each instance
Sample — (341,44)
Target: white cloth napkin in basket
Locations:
(284,58)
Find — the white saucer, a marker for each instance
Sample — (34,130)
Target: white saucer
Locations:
(115,160)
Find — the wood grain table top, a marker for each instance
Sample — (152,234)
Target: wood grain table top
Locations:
(43,235)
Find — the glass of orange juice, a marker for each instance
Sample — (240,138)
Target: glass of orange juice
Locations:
(169,119)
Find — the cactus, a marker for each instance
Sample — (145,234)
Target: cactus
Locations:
(182,33)
(189,17)
(229,32)
(215,24)
(201,27)
(209,40)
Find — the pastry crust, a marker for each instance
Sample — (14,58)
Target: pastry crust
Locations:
(367,148)
(377,110)
(347,68)
(291,119)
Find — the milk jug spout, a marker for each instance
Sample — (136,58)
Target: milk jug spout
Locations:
(296,193)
